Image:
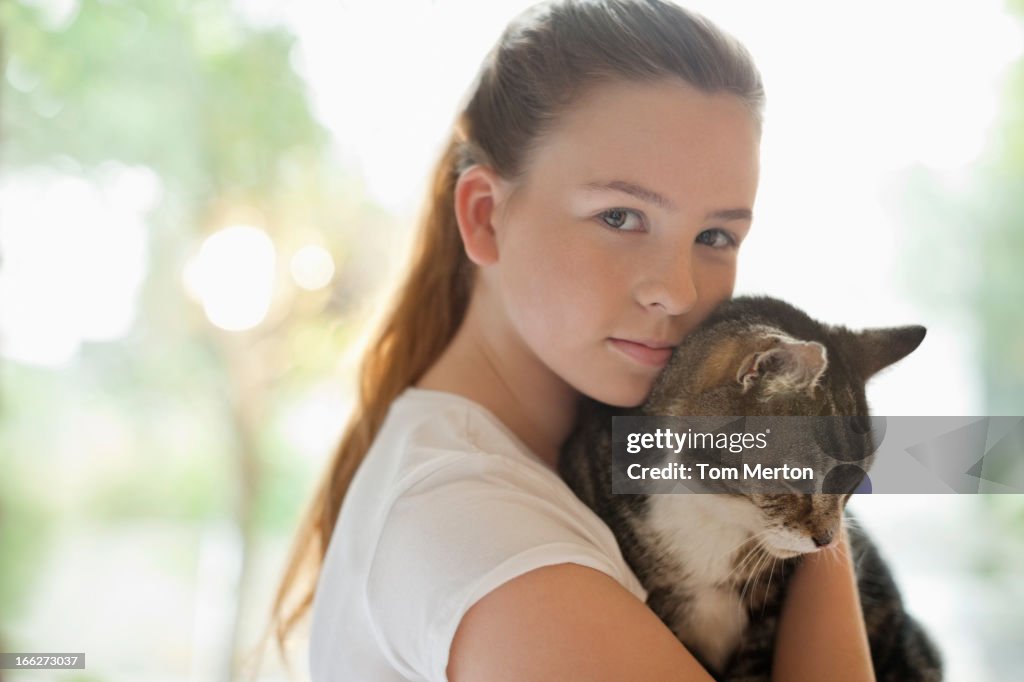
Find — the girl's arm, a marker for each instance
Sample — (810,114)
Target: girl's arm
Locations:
(567,622)
(821,633)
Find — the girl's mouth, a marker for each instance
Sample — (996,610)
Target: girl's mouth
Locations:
(652,357)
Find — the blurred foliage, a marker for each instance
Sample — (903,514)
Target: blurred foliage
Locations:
(969,247)
(177,420)
(1000,290)
(26,521)
(190,91)
(972,239)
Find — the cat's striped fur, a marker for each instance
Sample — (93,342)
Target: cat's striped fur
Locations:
(716,566)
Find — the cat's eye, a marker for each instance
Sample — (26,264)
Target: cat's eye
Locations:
(619,217)
(717,238)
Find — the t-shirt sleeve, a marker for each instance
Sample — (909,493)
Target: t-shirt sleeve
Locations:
(458,533)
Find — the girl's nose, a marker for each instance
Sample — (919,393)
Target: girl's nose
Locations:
(668,285)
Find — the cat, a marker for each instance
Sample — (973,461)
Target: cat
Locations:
(711,581)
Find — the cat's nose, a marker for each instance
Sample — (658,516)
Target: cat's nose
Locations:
(822,539)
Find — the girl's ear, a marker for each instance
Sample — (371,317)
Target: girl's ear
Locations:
(476,198)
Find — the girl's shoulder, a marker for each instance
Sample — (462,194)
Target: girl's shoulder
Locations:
(428,428)
(447,506)
(437,450)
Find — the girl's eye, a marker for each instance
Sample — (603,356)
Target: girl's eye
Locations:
(618,217)
(717,238)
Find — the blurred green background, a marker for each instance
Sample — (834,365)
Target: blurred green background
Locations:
(188,265)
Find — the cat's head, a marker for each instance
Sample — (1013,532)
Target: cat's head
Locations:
(759,356)
(756,355)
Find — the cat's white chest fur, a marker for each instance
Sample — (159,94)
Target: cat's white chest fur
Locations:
(692,529)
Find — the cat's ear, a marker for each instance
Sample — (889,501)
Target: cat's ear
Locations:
(872,350)
(788,366)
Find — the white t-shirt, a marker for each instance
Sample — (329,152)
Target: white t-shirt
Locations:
(448,505)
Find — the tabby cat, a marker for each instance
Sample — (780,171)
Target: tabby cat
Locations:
(716,566)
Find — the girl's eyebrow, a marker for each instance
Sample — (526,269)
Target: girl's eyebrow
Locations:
(633,189)
(730,214)
(652,197)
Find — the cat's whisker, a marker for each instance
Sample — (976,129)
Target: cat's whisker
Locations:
(747,579)
(754,540)
(753,537)
(767,591)
(745,587)
(748,587)
(853,521)
(739,563)
(837,556)
(752,552)
(832,554)
(769,560)
(750,538)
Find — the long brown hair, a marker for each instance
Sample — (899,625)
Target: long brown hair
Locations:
(546,57)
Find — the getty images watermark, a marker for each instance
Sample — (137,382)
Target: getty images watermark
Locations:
(837,455)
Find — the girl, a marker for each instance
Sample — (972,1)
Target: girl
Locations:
(585,216)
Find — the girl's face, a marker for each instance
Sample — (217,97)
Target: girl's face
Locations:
(626,228)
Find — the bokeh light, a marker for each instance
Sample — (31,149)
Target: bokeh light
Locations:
(312,267)
(233,276)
